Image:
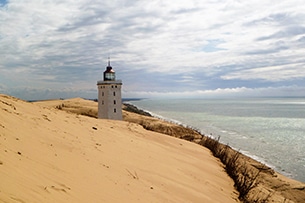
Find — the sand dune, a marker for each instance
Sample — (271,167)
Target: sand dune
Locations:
(48,155)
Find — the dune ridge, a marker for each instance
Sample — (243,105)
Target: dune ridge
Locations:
(49,155)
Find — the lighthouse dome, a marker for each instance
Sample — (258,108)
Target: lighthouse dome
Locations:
(109,73)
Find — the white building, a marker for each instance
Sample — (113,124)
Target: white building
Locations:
(109,96)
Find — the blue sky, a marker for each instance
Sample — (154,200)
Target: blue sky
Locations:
(183,48)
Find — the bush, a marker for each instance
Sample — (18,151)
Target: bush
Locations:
(245,178)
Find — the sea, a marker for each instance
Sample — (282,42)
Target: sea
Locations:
(270,130)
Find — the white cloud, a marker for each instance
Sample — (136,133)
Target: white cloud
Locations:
(270,73)
(289,91)
(188,44)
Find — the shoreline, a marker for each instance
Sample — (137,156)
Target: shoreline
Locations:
(252,168)
(270,185)
(252,156)
(251,140)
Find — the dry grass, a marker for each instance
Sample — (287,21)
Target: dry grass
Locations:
(247,174)
(245,179)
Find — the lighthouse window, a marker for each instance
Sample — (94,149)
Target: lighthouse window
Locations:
(114,110)
(111,86)
(113,93)
(102,93)
(102,102)
(116,86)
(114,102)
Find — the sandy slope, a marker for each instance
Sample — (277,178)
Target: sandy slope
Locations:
(272,186)
(47,155)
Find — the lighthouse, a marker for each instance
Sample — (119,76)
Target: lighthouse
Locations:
(109,95)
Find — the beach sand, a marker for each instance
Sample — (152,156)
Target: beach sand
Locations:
(270,186)
(49,155)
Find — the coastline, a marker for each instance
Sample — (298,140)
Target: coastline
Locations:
(268,130)
(270,186)
(263,182)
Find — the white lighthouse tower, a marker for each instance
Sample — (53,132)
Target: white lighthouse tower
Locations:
(109,95)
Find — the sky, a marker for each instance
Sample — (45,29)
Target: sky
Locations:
(168,49)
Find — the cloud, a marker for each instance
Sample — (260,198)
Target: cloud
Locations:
(154,45)
(270,73)
(290,31)
(293,91)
